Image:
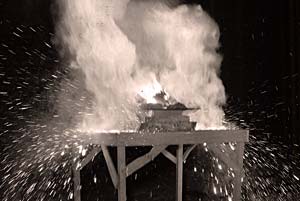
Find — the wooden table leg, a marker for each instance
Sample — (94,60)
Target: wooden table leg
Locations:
(179,172)
(122,173)
(238,172)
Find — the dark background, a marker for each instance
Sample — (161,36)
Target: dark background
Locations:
(260,70)
(261,63)
(259,42)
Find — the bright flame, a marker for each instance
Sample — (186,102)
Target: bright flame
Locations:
(149,91)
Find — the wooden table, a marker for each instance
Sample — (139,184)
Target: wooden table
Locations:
(159,142)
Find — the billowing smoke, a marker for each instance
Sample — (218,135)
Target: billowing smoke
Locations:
(123,46)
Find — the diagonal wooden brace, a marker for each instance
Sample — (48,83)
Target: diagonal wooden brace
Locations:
(111,167)
(188,151)
(143,160)
(169,156)
(77,166)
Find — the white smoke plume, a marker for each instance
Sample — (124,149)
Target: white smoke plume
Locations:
(123,46)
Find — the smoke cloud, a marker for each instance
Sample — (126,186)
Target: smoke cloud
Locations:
(123,46)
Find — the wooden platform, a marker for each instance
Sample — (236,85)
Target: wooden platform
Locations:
(160,141)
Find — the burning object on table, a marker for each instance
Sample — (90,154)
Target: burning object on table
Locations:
(163,116)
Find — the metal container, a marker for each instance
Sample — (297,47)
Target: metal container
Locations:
(166,118)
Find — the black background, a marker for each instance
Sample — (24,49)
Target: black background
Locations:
(260,70)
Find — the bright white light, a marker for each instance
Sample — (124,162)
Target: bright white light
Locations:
(95,131)
(149,91)
(215,190)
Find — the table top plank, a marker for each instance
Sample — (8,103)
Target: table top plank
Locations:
(168,138)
